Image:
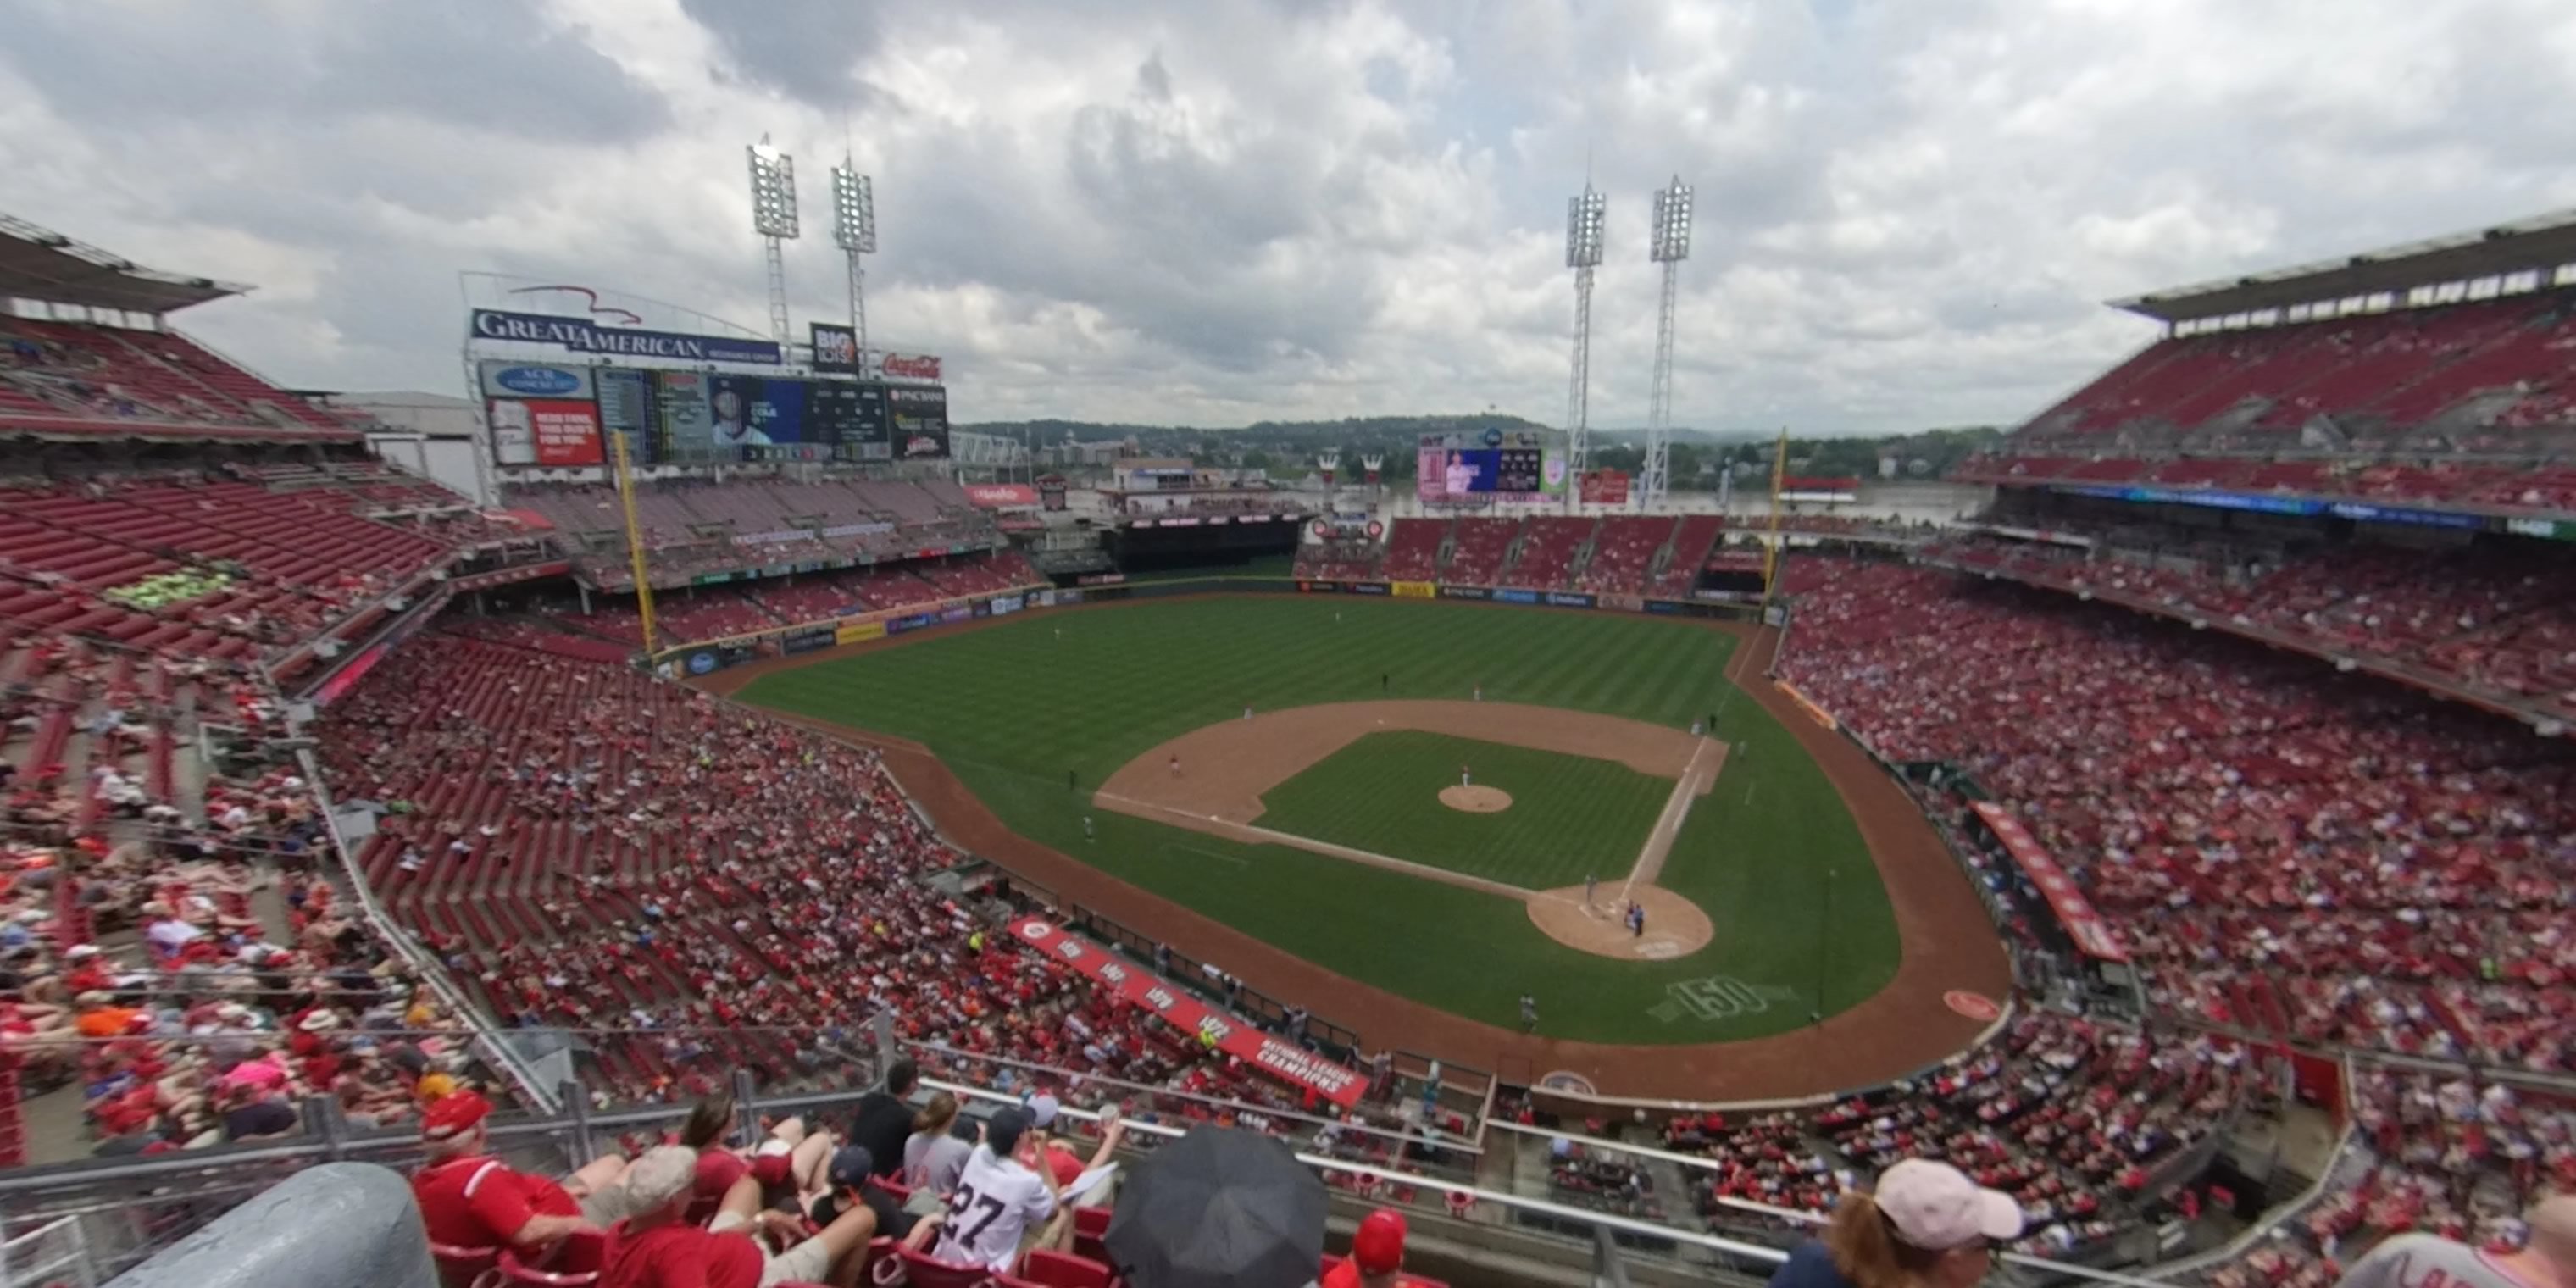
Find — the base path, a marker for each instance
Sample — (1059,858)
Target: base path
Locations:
(1900,1030)
(1226,766)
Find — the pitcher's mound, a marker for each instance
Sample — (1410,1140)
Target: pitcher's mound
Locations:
(1675,927)
(1476,800)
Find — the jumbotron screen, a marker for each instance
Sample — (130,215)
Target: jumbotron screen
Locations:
(1493,464)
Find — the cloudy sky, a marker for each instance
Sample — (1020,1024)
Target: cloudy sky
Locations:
(1213,211)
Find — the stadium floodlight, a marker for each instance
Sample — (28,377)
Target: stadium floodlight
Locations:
(1668,244)
(1670,240)
(1584,219)
(854,210)
(773,216)
(773,191)
(1583,224)
(854,230)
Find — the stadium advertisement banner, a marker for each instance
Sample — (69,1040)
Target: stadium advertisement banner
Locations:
(836,347)
(1494,465)
(1662,606)
(859,632)
(910,622)
(1462,592)
(582,336)
(1506,596)
(545,432)
(2545,529)
(923,367)
(2091,934)
(920,417)
(1294,1065)
(956,613)
(1562,600)
(1320,587)
(533,380)
(1413,589)
(701,661)
(1605,487)
(1367,588)
(994,496)
(1005,605)
(806,641)
(2387,514)
(1623,603)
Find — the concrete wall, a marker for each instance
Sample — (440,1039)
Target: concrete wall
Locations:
(332,1226)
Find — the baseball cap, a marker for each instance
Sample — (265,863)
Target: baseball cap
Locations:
(1004,1132)
(851,1165)
(1042,1109)
(1378,1247)
(1935,1207)
(454,1115)
(664,1174)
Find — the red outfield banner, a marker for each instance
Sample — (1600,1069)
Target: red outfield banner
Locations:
(1604,487)
(1289,1063)
(2091,934)
(995,496)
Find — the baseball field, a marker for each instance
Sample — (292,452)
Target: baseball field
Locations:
(1324,822)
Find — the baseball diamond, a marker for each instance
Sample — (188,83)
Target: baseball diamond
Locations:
(1300,846)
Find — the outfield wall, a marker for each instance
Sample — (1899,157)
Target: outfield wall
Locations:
(710,656)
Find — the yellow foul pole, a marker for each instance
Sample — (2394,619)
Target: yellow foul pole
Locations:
(635,545)
(1771,551)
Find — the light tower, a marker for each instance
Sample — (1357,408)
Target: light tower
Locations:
(854,230)
(1669,246)
(1583,216)
(773,216)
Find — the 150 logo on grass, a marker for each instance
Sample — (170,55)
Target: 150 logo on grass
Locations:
(1717,997)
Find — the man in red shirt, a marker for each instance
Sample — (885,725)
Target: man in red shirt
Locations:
(470,1200)
(1377,1254)
(658,1248)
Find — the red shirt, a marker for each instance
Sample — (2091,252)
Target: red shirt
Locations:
(718,1169)
(478,1203)
(679,1256)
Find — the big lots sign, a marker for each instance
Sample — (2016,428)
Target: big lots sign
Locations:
(1289,1063)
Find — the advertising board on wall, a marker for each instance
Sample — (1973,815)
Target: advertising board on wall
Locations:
(1605,487)
(626,410)
(836,347)
(852,419)
(583,336)
(544,431)
(920,416)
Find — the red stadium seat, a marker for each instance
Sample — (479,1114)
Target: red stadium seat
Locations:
(575,1263)
(1063,1270)
(458,1267)
(921,1270)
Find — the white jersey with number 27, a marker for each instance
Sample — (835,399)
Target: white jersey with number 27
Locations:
(996,1200)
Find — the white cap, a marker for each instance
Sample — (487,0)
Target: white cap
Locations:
(1935,1207)
(1042,1108)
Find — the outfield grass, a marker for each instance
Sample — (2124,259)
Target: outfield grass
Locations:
(1770,853)
(1570,815)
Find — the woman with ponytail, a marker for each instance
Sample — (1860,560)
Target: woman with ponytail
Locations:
(1924,1225)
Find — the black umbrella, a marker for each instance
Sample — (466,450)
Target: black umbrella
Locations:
(1219,1208)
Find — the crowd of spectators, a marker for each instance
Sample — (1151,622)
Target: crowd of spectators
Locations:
(2496,617)
(2337,857)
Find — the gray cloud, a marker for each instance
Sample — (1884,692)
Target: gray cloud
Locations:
(1225,210)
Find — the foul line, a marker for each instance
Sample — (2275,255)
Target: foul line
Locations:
(1246,832)
(1668,824)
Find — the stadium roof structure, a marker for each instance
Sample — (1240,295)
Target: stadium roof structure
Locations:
(2541,243)
(38,263)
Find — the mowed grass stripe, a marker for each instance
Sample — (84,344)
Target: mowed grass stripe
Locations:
(1013,706)
(1570,814)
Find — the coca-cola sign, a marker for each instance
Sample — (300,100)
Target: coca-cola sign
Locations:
(909,366)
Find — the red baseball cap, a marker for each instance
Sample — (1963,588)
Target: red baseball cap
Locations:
(1379,1245)
(772,1169)
(453,1115)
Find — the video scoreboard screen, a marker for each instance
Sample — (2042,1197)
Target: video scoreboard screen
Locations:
(1493,465)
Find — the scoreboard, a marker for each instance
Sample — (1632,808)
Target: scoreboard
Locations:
(1495,465)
